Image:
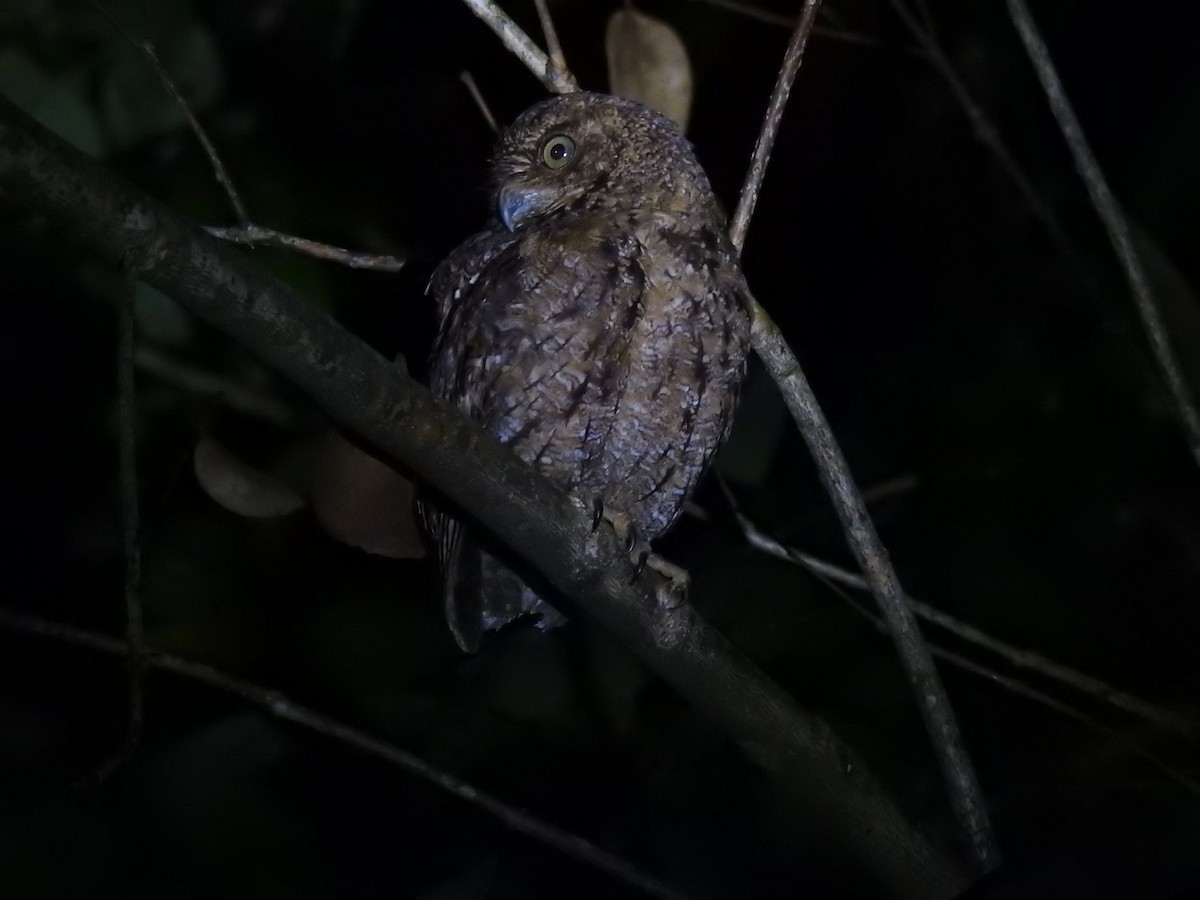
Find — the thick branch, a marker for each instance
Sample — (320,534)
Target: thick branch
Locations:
(369,395)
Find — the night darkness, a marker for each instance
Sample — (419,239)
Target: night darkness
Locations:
(985,372)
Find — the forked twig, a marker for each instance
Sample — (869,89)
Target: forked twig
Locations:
(1111,215)
(519,44)
(147,50)
(256,236)
(246,232)
(278,705)
(1021,658)
(558,62)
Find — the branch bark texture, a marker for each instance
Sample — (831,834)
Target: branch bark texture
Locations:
(371,396)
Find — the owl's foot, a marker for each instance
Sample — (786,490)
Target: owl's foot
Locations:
(672,617)
(621,524)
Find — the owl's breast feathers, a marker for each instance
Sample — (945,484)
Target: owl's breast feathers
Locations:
(607,351)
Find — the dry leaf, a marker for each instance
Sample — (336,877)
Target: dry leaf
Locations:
(647,62)
(364,502)
(238,486)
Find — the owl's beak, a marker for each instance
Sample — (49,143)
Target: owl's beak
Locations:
(514,204)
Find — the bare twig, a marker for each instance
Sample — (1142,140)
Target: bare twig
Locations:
(1017,687)
(519,44)
(770,128)
(1025,659)
(958,773)
(279,706)
(966,796)
(1021,689)
(835,577)
(758,14)
(135,634)
(558,62)
(246,231)
(147,50)
(477,95)
(255,235)
(985,130)
(1115,223)
(135,651)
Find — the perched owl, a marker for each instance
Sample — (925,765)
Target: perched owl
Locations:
(597,325)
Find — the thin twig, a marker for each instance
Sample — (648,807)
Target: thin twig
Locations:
(958,772)
(135,634)
(558,62)
(985,130)
(770,128)
(1024,659)
(135,642)
(835,577)
(1111,215)
(519,44)
(1021,689)
(246,232)
(962,784)
(758,14)
(477,95)
(147,50)
(278,705)
(253,235)
(1070,712)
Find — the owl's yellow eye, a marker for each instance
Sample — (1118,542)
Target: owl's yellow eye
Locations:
(557,151)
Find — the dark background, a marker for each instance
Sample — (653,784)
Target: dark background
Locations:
(993,375)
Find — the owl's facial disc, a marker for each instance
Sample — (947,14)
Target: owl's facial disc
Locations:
(517,202)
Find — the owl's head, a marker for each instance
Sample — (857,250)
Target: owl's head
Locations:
(586,151)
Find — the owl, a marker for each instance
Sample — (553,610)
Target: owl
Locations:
(596,325)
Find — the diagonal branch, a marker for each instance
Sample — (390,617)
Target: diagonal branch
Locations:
(281,707)
(958,772)
(377,400)
(1115,223)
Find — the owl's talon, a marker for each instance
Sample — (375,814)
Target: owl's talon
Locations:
(640,564)
(634,544)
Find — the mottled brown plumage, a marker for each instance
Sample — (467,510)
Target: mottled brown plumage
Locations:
(596,325)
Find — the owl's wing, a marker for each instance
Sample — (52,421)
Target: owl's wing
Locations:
(459,560)
(531,345)
(480,592)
